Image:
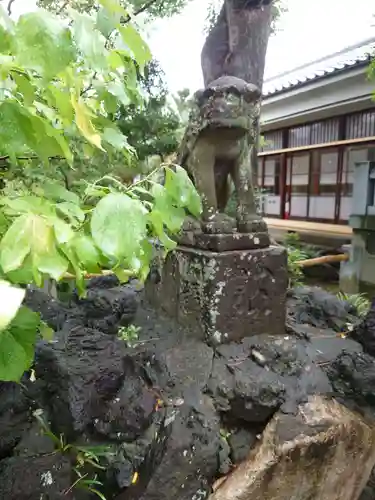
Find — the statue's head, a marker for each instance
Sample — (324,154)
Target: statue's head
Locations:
(228,102)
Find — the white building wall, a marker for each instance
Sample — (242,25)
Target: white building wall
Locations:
(343,93)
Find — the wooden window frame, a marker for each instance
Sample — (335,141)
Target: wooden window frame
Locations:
(315,152)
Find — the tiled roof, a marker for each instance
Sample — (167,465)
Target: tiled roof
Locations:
(349,58)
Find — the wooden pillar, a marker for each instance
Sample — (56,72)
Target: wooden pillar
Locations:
(312,160)
(340,168)
(284,168)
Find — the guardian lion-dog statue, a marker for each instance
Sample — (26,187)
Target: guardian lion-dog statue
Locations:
(217,145)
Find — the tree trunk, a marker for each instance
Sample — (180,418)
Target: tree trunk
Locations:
(237,46)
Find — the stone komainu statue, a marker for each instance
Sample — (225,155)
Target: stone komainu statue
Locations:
(217,145)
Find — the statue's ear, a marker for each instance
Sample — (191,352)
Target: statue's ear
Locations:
(252,92)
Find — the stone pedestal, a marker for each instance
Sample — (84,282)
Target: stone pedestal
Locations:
(223,296)
(225,242)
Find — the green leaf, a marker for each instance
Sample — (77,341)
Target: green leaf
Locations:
(6,31)
(5,41)
(61,100)
(106,21)
(71,211)
(24,87)
(71,255)
(156,220)
(118,225)
(22,131)
(114,7)
(4,223)
(15,245)
(83,122)
(123,275)
(5,21)
(135,44)
(180,187)
(43,43)
(92,191)
(51,262)
(23,275)
(110,101)
(87,253)
(115,60)
(118,90)
(89,40)
(46,332)
(16,130)
(17,345)
(32,234)
(95,492)
(146,254)
(46,258)
(114,137)
(59,193)
(172,216)
(28,204)
(61,146)
(63,232)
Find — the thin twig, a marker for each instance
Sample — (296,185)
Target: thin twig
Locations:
(91,86)
(87,276)
(88,88)
(145,179)
(9,9)
(142,9)
(31,157)
(65,177)
(62,8)
(130,17)
(74,484)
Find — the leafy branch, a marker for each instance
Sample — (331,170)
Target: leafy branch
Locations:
(44,113)
(126,19)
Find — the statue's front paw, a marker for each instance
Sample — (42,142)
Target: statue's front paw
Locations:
(191,224)
(219,223)
(252,225)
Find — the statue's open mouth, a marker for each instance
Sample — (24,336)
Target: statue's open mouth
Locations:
(232,128)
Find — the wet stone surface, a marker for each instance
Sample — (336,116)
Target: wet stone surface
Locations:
(223,297)
(176,413)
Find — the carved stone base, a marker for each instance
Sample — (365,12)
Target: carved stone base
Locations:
(225,242)
(223,296)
